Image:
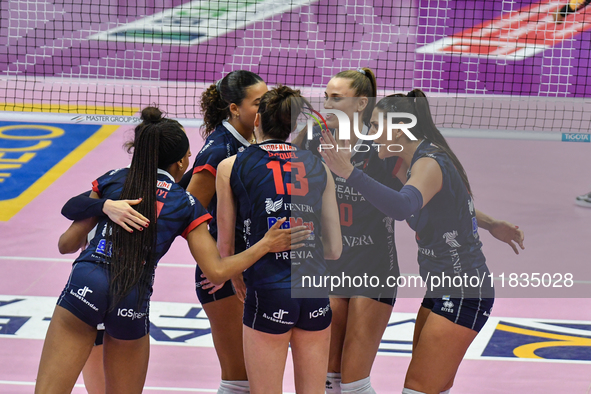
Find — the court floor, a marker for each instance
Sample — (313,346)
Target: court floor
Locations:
(535,342)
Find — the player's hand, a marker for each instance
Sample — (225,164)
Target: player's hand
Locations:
(122,213)
(239,287)
(339,161)
(279,240)
(206,284)
(508,233)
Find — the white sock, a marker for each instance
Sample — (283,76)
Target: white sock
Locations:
(362,386)
(333,383)
(234,387)
(409,391)
(445,392)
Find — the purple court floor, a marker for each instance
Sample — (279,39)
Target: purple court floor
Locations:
(530,183)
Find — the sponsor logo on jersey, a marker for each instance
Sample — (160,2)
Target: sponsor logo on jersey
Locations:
(294,255)
(361,240)
(103,248)
(191,198)
(292,222)
(209,143)
(197,21)
(247,224)
(322,311)
(278,316)
(389,223)
(298,207)
(448,306)
(130,313)
(81,295)
(450,239)
(273,206)
(471,205)
(277,147)
(347,193)
(514,35)
(427,252)
(163,185)
(82,292)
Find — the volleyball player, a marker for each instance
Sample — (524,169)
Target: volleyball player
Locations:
(111,280)
(229,108)
(437,203)
(360,316)
(258,185)
(570,8)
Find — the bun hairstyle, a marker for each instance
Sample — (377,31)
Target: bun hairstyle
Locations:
(278,108)
(216,99)
(363,83)
(148,116)
(415,102)
(159,142)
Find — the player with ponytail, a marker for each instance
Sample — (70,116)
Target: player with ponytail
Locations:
(229,107)
(437,203)
(360,315)
(111,280)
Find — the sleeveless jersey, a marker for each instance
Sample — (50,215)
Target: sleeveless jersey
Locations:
(274,180)
(178,213)
(368,234)
(225,141)
(446,228)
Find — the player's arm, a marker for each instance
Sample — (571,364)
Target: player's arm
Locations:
(121,212)
(226,219)
(226,208)
(74,238)
(202,186)
(501,230)
(218,270)
(331,225)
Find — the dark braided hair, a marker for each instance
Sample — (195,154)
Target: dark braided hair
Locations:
(415,102)
(216,99)
(157,144)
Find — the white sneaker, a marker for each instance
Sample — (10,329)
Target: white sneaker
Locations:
(584,200)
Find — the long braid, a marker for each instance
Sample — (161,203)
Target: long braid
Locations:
(132,262)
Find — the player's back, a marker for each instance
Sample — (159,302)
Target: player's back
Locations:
(178,212)
(274,180)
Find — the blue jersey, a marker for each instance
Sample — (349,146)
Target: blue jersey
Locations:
(446,228)
(368,234)
(178,213)
(274,180)
(223,142)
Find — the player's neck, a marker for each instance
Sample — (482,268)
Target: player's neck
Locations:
(248,134)
(409,150)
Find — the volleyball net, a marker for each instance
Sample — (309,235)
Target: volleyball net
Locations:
(489,67)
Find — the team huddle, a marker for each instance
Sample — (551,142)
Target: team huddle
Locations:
(259,214)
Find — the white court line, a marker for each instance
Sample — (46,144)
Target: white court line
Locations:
(72,260)
(172,265)
(193,390)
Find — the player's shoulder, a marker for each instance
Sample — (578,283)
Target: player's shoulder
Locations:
(115,175)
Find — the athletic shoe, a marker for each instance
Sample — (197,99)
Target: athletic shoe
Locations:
(584,200)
